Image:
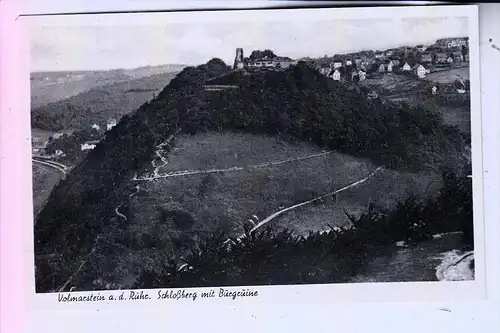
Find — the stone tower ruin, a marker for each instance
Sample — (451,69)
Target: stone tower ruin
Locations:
(238,60)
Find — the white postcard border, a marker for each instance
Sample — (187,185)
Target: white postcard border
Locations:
(317,294)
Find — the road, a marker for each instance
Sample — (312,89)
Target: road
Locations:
(55,165)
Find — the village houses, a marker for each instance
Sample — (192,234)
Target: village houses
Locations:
(325,71)
(362,75)
(390,66)
(406,67)
(110,124)
(336,75)
(457,56)
(420,71)
(88,145)
(441,58)
(426,58)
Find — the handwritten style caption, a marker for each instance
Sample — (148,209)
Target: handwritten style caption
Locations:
(170,294)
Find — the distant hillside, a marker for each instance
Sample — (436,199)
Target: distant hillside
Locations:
(296,104)
(49,87)
(99,104)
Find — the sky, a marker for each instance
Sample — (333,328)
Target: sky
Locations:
(100,42)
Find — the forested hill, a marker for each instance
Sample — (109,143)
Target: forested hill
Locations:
(298,104)
(80,207)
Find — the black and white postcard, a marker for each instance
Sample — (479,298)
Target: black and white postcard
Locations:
(247,154)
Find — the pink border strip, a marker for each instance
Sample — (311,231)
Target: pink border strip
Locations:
(13,290)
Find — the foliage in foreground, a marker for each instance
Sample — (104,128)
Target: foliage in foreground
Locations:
(268,257)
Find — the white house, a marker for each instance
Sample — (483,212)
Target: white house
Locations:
(362,75)
(96,127)
(88,145)
(434,90)
(389,66)
(110,124)
(420,71)
(406,67)
(348,62)
(337,64)
(325,71)
(381,68)
(449,60)
(336,75)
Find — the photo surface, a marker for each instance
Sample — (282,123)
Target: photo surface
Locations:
(251,148)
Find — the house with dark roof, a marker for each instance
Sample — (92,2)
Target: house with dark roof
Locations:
(419,70)
(420,48)
(441,58)
(457,56)
(426,58)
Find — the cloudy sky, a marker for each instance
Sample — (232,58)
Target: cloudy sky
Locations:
(91,42)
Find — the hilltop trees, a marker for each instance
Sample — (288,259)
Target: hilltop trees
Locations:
(303,104)
(257,54)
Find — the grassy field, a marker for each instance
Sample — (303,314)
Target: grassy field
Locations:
(397,88)
(401,88)
(392,82)
(448,76)
(44,180)
(167,216)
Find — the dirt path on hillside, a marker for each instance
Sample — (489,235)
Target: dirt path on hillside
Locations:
(282,211)
(231,169)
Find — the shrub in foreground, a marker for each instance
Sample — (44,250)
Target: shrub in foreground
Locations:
(268,257)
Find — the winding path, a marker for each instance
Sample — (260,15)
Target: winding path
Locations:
(282,211)
(120,214)
(231,169)
(59,167)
